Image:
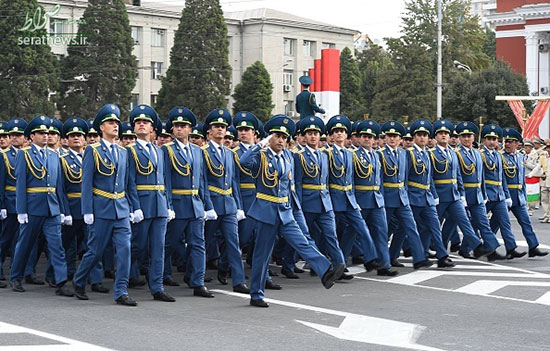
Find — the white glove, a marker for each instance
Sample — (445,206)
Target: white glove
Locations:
(464,202)
(3,214)
(62,218)
(508,203)
(171,215)
(22,218)
(240,215)
(264,142)
(68,220)
(436,200)
(211,215)
(485,201)
(89,219)
(138,216)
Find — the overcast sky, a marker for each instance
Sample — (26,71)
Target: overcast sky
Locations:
(377,18)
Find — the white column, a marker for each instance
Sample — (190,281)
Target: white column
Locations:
(531,61)
(544,79)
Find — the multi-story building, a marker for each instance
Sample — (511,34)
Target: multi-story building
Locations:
(483,9)
(286,44)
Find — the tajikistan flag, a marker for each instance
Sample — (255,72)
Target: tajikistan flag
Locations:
(533,189)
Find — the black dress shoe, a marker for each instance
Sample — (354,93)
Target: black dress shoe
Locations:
(395,263)
(109,274)
(202,291)
(271,273)
(423,264)
(371,265)
(241,288)
(222,277)
(212,264)
(33,279)
(99,288)
(258,303)
(455,247)
(170,282)
(467,255)
(51,283)
(163,296)
(79,292)
(357,260)
(495,256)
(432,255)
(345,276)
(511,254)
(445,262)
(480,251)
(332,274)
(385,272)
(407,253)
(125,300)
(534,252)
(271,285)
(298,270)
(289,274)
(17,286)
(64,290)
(136,282)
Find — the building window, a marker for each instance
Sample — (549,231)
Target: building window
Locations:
(136,35)
(329,45)
(288,77)
(57,26)
(289,108)
(156,70)
(157,37)
(154,98)
(309,48)
(289,45)
(134,102)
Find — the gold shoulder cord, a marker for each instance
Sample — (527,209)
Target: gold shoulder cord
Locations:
(310,171)
(485,162)
(141,169)
(9,167)
(417,170)
(211,167)
(176,164)
(387,168)
(266,176)
(362,170)
(98,161)
(333,167)
(437,161)
(241,168)
(71,176)
(467,170)
(33,168)
(509,171)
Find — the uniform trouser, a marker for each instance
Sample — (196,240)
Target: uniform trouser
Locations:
(38,248)
(265,239)
(28,234)
(375,218)
(450,231)
(545,199)
(290,257)
(148,240)
(522,215)
(109,257)
(357,229)
(228,226)
(429,229)
(480,222)
(407,230)
(455,214)
(8,239)
(99,234)
(500,215)
(327,231)
(247,232)
(192,231)
(214,241)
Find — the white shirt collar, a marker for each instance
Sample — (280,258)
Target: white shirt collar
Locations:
(391,148)
(142,143)
(418,147)
(274,153)
(40,148)
(108,144)
(444,149)
(338,148)
(182,145)
(311,149)
(246,146)
(216,145)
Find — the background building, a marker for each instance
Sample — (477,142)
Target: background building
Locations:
(286,44)
(483,9)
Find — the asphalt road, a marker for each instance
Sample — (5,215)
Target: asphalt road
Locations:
(476,306)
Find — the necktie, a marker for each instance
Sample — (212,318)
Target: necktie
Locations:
(221,151)
(43,155)
(187,153)
(368,157)
(114,154)
(281,163)
(152,153)
(80,154)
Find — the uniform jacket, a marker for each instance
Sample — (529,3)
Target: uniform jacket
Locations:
(7,180)
(420,182)
(72,183)
(367,198)
(471,168)
(246,181)
(312,172)
(306,104)
(341,179)
(514,171)
(494,173)
(446,171)
(394,172)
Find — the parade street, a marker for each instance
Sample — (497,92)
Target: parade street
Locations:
(477,305)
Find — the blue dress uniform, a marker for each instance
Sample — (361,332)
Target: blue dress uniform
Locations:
(514,171)
(368,192)
(306,105)
(104,197)
(39,190)
(344,203)
(273,210)
(423,196)
(396,199)
(496,189)
(147,193)
(223,196)
(10,228)
(312,178)
(185,186)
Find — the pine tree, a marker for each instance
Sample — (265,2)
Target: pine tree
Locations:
(28,69)
(350,84)
(253,93)
(199,75)
(102,60)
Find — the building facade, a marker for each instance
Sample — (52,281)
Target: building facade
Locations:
(286,44)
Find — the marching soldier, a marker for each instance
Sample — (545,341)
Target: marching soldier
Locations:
(163,135)
(273,211)
(39,193)
(197,136)
(105,205)
(127,135)
(92,136)
(305,101)
(4,136)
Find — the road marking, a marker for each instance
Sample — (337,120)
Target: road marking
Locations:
(67,344)
(544,299)
(486,287)
(360,328)
(523,243)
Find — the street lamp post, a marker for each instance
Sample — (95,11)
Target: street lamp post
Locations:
(439,62)
(460,65)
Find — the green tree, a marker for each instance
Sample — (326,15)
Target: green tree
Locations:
(350,84)
(199,74)
(371,62)
(490,44)
(28,69)
(253,93)
(100,67)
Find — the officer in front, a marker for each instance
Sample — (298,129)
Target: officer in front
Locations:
(305,101)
